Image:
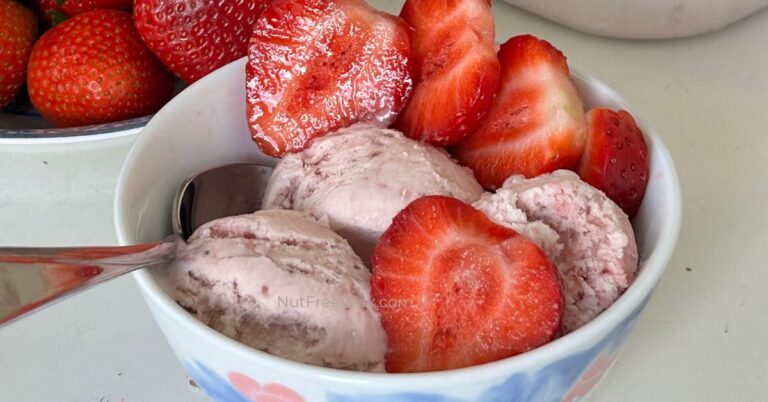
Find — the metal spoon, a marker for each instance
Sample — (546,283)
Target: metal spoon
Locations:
(33,278)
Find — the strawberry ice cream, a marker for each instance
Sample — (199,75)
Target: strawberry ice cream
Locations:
(359,178)
(281,282)
(586,235)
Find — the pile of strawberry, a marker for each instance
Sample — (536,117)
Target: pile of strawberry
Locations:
(474,291)
(101,61)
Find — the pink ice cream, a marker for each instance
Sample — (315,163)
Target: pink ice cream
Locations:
(586,235)
(281,282)
(359,178)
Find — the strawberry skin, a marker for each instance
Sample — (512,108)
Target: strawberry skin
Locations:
(54,12)
(93,68)
(315,66)
(193,38)
(456,71)
(616,158)
(18,29)
(536,123)
(75,7)
(455,289)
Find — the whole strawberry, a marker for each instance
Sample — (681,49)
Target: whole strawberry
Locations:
(56,11)
(18,28)
(196,37)
(94,68)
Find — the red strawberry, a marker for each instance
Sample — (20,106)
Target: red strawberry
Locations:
(616,158)
(50,12)
(536,124)
(194,38)
(455,289)
(315,66)
(75,7)
(18,28)
(456,72)
(56,11)
(94,68)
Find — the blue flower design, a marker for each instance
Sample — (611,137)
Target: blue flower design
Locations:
(552,382)
(217,387)
(549,384)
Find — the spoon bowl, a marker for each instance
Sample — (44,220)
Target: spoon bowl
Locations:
(33,278)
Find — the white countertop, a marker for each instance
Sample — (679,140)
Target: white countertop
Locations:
(702,338)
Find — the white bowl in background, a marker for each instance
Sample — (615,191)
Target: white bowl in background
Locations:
(651,19)
(205,126)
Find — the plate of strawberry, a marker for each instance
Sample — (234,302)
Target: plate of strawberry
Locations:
(74,68)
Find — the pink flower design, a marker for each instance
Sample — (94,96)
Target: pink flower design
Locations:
(256,392)
(590,377)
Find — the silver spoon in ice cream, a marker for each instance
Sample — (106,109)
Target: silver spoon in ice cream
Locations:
(33,278)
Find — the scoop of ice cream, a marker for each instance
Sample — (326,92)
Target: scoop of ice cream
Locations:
(281,282)
(359,178)
(501,207)
(586,235)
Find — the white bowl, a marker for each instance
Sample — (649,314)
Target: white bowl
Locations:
(205,126)
(650,19)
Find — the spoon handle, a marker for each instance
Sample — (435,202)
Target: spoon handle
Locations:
(33,278)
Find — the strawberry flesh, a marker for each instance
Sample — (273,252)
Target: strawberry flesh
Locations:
(456,72)
(455,289)
(616,158)
(536,123)
(316,66)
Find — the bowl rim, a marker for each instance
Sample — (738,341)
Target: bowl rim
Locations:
(653,268)
(91,133)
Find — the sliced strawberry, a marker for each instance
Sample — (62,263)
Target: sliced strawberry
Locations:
(455,289)
(316,66)
(616,158)
(536,124)
(456,72)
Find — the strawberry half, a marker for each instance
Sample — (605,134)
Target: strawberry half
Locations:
(455,289)
(315,66)
(536,123)
(616,158)
(456,72)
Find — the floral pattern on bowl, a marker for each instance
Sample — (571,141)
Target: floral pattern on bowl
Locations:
(239,388)
(566,380)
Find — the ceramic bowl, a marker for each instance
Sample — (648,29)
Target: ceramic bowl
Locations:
(31,129)
(651,19)
(205,126)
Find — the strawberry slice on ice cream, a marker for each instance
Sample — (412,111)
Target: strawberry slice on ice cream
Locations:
(455,289)
(536,123)
(456,72)
(616,158)
(316,66)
